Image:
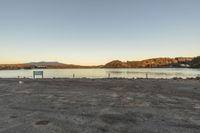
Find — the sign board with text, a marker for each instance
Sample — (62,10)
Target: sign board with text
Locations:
(38,73)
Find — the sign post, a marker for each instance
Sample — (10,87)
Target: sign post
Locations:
(38,73)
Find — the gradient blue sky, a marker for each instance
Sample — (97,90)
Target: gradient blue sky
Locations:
(94,32)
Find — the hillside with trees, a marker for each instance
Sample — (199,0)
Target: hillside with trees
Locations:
(179,62)
(152,63)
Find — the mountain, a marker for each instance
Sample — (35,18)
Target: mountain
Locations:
(179,62)
(43,63)
(55,65)
(47,65)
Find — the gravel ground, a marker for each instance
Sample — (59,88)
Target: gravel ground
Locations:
(99,105)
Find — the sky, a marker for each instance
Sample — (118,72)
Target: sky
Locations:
(94,32)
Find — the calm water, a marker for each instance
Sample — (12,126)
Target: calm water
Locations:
(102,73)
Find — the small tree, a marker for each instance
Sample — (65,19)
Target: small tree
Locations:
(196,59)
(196,62)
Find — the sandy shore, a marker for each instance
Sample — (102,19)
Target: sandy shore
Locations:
(99,105)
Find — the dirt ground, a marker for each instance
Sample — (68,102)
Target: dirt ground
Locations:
(99,105)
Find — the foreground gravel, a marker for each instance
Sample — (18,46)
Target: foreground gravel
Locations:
(99,105)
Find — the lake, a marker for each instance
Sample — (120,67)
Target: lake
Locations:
(103,73)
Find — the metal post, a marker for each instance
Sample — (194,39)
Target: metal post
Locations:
(33,75)
(108,75)
(73,76)
(146,75)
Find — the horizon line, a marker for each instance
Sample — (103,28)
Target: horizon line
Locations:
(53,61)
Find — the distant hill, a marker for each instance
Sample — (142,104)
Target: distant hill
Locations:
(55,65)
(43,63)
(179,62)
(152,63)
(47,65)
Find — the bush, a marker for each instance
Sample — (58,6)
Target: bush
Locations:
(196,62)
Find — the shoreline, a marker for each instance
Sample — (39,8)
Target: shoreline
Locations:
(105,73)
(111,78)
(109,68)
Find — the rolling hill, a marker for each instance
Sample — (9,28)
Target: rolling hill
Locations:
(183,62)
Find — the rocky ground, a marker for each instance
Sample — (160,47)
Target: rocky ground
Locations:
(99,105)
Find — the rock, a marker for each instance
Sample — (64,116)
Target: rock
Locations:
(21,82)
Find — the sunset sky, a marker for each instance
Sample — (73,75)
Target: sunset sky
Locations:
(91,32)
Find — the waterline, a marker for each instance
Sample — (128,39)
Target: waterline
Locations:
(104,73)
